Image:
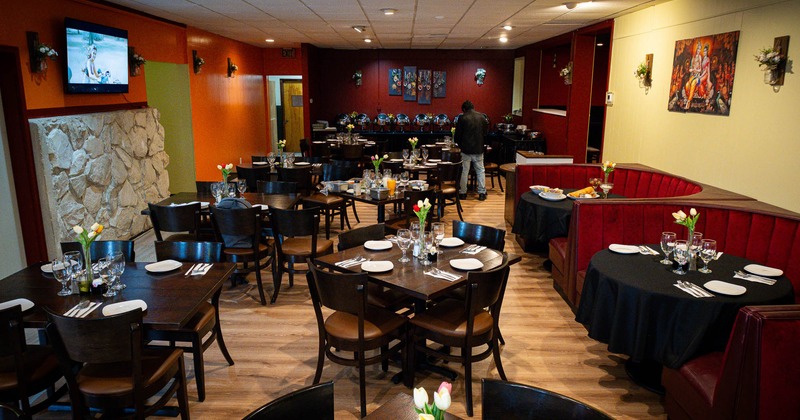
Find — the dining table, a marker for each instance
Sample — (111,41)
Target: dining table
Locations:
(538,220)
(279,201)
(379,203)
(631,302)
(171,298)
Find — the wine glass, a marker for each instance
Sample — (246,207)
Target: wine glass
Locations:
(271,160)
(217,190)
(231,188)
(104,266)
(117,261)
(606,187)
(667,245)
(290,160)
(595,182)
(708,250)
(404,242)
(681,255)
(404,178)
(75,261)
(414,156)
(62,272)
(425,155)
(438,232)
(405,155)
(241,186)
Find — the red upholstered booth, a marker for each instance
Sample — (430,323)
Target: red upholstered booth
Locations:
(757,377)
(757,231)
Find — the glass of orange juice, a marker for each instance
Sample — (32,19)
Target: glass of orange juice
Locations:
(391,184)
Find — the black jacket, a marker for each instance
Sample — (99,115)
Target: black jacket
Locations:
(470,128)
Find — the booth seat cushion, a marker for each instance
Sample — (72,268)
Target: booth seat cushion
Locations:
(557,255)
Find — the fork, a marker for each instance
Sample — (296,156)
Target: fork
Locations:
(77,308)
(754,278)
(700,291)
(444,273)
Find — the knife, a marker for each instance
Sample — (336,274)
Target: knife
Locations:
(88,310)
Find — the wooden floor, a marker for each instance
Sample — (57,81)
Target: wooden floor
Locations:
(274,346)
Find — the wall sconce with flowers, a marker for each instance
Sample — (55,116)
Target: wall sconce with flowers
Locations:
(232,68)
(197,62)
(135,62)
(566,73)
(480,74)
(357,77)
(644,73)
(773,62)
(39,53)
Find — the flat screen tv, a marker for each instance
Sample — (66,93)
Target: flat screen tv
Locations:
(97,58)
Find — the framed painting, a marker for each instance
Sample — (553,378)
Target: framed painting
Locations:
(409,83)
(424,86)
(439,84)
(702,74)
(395,82)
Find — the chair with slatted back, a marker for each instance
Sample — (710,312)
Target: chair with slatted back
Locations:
(354,153)
(276,187)
(301,175)
(354,327)
(100,249)
(296,239)
(183,221)
(434,151)
(253,175)
(452,155)
(409,199)
(464,324)
(242,223)
(25,370)
(311,402)
(333,205)
(114,368)
(321,150)
(483,235)
(206,321)
(447,177)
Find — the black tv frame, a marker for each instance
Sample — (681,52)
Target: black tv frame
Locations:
(91,87)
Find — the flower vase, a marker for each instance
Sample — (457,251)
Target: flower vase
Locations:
(692,253)
(42,65)
(605,177)
(85,281)
(423,249)
(770,76)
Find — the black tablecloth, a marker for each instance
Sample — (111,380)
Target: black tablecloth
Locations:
(538,220)
(631,303)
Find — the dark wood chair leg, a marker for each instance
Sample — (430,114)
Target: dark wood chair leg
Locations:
(260,284)
(199,371)
(277,275)
(467,353)
(182,394)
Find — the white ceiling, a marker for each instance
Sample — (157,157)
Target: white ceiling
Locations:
(417,24)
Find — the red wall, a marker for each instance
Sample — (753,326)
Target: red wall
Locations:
(553,92)
(335,92)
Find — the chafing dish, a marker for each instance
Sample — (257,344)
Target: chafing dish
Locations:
(362,121)
(402,121)
(342,120)
(441,121)
(421,121)
(382,121)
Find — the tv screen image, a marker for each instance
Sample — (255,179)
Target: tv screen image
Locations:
(97,58)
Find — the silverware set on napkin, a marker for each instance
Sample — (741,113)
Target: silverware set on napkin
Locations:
(351,262)
(693,289)
(198,270)
(82,309)
(435,272)
(754,278)
(473,249)
(646,250)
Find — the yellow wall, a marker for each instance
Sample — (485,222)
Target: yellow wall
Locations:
(756,149)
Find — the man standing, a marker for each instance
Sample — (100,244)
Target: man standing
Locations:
(470,128)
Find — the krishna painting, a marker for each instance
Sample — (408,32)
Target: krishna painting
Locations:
(702,74)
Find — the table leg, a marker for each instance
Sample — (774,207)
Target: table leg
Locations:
(381,213)
(646,374)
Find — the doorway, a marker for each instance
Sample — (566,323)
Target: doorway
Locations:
(290,114)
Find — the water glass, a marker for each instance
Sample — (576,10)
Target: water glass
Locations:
(708,250)
(75,261)
(405,155)
(681,254)
(404,242)
(438,232)
(104,271)
(117,262)
(241,185)
(271,160)
(62,272)
(425,154)
(667,246)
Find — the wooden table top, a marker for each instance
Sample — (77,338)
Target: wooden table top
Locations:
(401,407)
(171,298)
(409,277)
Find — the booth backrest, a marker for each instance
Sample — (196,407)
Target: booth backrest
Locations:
(630,182)
(756,231)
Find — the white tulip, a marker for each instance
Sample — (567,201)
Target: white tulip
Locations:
(229,166)
(427,203)
(77,229)
(442,399)
(676,216)
(693,212)
(423,416)
(92,234)
(219,167)
(681,214)
(95,226)
(420,398)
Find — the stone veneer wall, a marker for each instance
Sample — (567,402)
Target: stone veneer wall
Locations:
(102,168)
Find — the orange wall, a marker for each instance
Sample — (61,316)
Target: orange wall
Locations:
(154,40)
(228,114)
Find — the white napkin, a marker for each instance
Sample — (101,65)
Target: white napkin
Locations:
(756,279)
(472,250)
(442,276)
(201,269)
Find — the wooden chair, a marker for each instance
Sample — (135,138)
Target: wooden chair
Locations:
(311,402)
(11,413)
(447,177)
(115,369)
(296,239)
(409,199)
(754,378)
(253,175)
(276,187)
(353,327)
(184,218)
(321,150)
(354,153)
(357,237)
(299,175)
(491,164)
(453,155)
(487,236)
(25,370)
(512,401)
(244,223)
(100,249)
(332,205)
(206,320)
(464,324)
(434,151)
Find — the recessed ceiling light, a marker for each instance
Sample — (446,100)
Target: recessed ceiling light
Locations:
(359,28)
(440,17)
(388,11)
(573,4)
(508,27)
(503,39)
(599,44)
(270,40)
(367,40)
